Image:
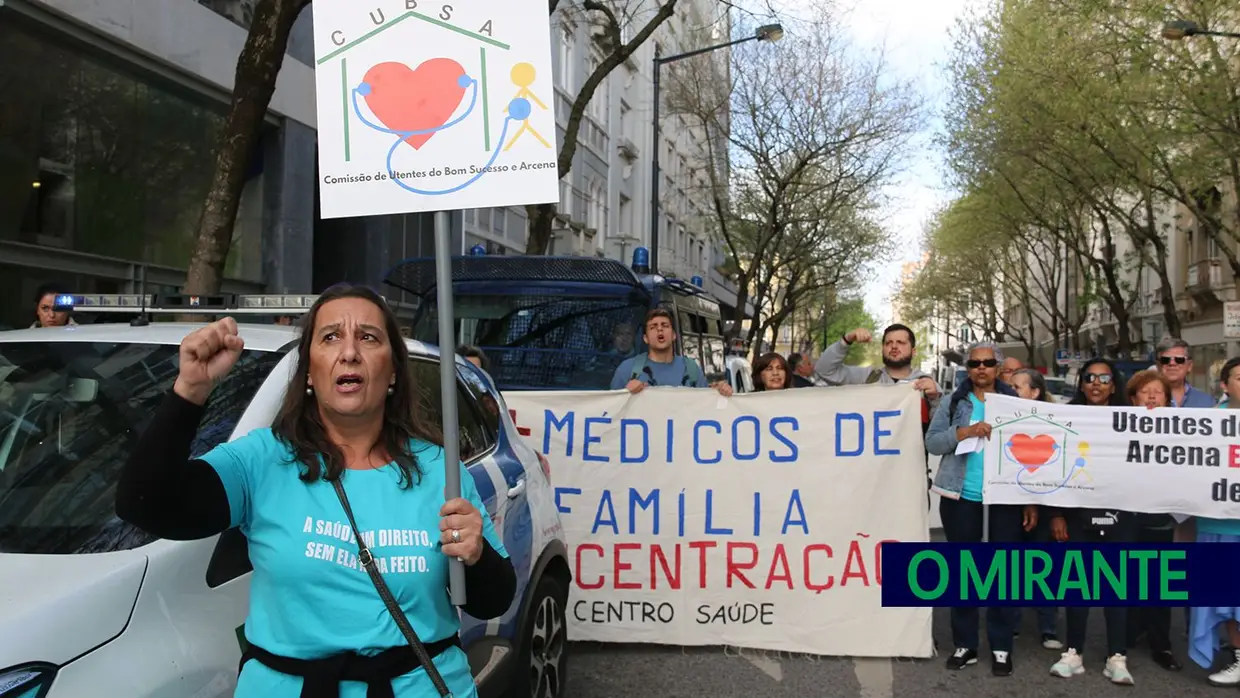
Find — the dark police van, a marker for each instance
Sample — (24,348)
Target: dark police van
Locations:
(561,323)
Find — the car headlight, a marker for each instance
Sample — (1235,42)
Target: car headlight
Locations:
(27,681)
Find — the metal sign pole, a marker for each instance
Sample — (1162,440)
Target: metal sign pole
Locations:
(447,386)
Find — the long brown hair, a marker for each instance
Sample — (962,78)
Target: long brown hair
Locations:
(761,365)
(300,426)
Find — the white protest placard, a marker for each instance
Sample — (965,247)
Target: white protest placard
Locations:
(431,105)
(755,521)
(1160,461)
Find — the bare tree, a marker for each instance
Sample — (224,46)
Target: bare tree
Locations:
(254,83)
(800,138)
(612,19)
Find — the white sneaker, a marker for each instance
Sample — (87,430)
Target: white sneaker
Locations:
(1229,676)
(1069,665)
(1117,670)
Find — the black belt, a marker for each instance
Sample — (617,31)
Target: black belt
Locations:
(321,677)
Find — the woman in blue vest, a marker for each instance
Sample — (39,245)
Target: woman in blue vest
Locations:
(342,503)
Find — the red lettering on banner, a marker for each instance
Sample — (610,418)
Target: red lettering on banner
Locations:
(1233,456)
(657,558)
(741,561)
(623,566)
(780,557)
(601,579)
(702,546)
(735,568)
(523,431)
(854,558)
(809,583)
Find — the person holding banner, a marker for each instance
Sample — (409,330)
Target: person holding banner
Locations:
(660,366)
(957,433)
(326,615)
(1152,390)
(1204,622)
(1031,385)
(1102,385)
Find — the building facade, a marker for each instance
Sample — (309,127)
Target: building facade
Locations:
(604,207)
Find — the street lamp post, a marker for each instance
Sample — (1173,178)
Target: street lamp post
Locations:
(1183,28)
(768,32)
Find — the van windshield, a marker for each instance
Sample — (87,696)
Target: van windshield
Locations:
(70,413)
(538,342)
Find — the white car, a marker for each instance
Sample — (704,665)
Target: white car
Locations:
(91,607)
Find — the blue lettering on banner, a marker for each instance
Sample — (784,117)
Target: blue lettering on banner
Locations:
(635,501)
(558,424)
(713,523)
(880,432)
(846,446)
(599,521)
(559,505)
(624,440)
(697,441)
(745,438)
(710,517)
(592,439)
(736,437)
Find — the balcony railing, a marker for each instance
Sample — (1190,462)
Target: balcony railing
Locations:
(1206,274)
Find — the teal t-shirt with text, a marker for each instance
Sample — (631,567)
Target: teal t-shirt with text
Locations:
(972,489)
(309,596)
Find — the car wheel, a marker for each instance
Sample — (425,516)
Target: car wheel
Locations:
(543,666)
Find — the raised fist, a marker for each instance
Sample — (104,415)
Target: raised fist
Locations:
(207,355)
(859,335)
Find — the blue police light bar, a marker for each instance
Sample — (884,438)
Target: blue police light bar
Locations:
(477,251)
(696,281)
(64,303)
(641,260)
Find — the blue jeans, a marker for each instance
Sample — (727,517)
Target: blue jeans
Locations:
(962,523)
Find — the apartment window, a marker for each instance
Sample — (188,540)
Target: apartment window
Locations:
(626,215)
(626,120)
(484,219)
(566,58)
(566,200)
(599,102)
(498,216)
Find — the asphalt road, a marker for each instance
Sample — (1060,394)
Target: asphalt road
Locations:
(622,671)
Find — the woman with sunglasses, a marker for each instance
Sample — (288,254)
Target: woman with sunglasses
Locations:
(959,484)
(1100,384)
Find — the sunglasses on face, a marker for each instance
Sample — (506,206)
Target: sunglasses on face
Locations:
(1099,378)
(1165,360)
(978,363)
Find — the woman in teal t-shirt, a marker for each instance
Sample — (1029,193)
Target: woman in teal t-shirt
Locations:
(1204,622)
(348,431)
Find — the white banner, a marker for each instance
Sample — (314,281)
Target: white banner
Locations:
(1161,461)
(433,105)
(754,521)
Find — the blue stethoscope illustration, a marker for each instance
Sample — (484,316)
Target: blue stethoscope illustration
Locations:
(1076,465)
(518,110)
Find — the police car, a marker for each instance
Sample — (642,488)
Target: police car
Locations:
(91,606)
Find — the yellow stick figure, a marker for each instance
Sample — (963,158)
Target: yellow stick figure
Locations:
(523,75)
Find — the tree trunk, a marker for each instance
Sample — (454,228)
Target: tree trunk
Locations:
(540,218)
(540,226)
(255,82)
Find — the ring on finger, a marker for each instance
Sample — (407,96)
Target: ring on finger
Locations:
(456,535)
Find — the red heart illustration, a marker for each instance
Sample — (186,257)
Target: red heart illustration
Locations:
(415,100)
(1032,451)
